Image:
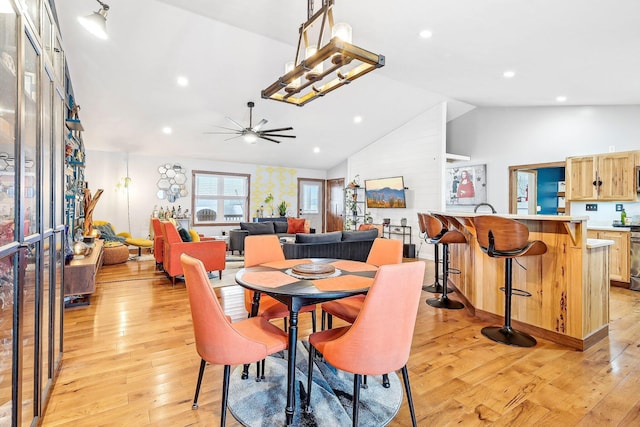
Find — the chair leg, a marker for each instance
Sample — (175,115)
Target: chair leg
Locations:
(220,274)
(364,382)
(329,321)
(385,381)
(407,388)
(436,287)
(203,364)
(313,321)
(225,395)
(307,404)
(356,398)
(324,319)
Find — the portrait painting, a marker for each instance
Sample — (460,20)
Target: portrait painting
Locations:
(466,185)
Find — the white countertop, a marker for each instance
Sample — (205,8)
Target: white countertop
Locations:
(598,243)
(607,228)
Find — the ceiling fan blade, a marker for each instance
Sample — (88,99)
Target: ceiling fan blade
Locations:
(231,129)
(268,139)
(273,134)
(235,123)
(277,130)
(259,125)
(223,133)
(234,137)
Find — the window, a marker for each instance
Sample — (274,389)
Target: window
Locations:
(219,198)
(310,200)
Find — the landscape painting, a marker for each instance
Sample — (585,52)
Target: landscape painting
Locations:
(385,193)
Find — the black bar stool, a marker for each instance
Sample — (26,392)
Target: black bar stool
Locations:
(507,238)
(445,237)
(429,236)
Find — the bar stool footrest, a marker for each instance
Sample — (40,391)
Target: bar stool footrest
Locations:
(518,292)
(509,336)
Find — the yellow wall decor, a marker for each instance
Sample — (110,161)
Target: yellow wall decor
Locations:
(281,182)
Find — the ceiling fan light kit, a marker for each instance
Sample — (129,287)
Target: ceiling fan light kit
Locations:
(252,133)
(318,71)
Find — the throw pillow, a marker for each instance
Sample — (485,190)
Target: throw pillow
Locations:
(281,226)
(195,237)
(255,228)
(295,225)
(356,236)
(184,235)
(332,237)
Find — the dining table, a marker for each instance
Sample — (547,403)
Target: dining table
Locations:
(300,282)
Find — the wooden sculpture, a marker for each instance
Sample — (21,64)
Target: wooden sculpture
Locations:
(89,205)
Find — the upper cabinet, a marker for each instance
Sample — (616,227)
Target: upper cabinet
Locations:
(601,177)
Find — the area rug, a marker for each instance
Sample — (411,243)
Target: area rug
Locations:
(262,404)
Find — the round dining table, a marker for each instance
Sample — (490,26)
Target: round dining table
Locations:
(283,281)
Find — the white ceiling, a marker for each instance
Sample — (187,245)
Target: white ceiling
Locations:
(586,50)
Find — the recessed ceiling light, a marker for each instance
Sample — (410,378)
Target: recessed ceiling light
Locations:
(426,34)
(182,81)
(167,130)
(561,98)
(357,119)
(509,74)
(316,150)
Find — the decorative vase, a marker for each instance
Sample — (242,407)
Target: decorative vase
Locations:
(403,222)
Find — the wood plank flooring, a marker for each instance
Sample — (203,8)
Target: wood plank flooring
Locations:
(130,361)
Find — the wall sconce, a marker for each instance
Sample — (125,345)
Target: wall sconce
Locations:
(96,23)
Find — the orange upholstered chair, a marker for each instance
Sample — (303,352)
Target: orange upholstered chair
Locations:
(218,341)
(374,345)
(258,250)
(383,251)
(158,242)
(211,252)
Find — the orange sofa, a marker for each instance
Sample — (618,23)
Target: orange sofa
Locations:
(212,253)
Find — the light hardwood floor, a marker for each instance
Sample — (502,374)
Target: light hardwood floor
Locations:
(130,360)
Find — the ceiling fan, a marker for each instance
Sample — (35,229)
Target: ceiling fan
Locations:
(251,133)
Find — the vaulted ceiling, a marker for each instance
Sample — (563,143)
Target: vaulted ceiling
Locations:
(586,50)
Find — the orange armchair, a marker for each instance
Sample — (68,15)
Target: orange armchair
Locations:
(158,242)
(212,253)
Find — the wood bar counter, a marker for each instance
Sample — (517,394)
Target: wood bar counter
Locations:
(569,284)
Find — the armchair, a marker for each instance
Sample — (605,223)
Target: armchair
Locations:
(158,242)
(212,253)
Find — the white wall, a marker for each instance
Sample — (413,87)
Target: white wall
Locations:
(503,137)
(105,169)
(415,151)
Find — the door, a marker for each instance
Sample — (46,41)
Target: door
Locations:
(311,201)
(527,200)
(335,205)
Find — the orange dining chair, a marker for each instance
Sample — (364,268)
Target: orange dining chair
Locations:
(373,345)
(383,251)
(260,249)
(220,342)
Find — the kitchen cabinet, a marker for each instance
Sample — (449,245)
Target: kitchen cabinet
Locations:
(619,267)
(607,177)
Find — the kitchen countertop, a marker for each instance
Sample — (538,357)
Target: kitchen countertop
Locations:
(607,228)
(598,243)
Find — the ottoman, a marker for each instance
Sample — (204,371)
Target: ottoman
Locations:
(115,253)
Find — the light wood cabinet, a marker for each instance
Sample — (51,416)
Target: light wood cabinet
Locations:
(80,274)
(619,267)
(608,177)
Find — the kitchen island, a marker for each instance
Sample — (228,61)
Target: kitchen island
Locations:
(569,284)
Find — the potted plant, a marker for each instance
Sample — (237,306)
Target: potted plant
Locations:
(282,208)
(269,202)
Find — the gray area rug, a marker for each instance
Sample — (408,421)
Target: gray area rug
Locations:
(262,404)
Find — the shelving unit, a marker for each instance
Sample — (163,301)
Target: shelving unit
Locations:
(354,207)
(74,172)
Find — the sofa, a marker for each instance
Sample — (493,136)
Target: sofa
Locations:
(351,245)
(284,228)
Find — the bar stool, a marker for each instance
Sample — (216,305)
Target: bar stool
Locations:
(429,236)
(507,238)
(445,237)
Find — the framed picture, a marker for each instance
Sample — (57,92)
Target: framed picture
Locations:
(466,185)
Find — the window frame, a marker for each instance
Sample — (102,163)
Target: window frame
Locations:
(219,174)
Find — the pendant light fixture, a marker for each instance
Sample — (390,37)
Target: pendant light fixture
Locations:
(318,69)
(96,23)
